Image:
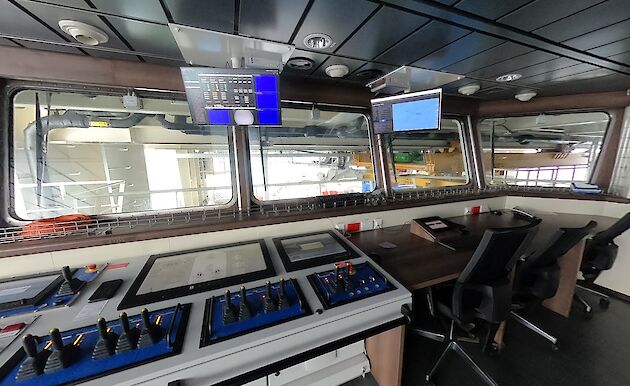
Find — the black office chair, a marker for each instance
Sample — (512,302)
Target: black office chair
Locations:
(482,293)
(599,255)
(538,277)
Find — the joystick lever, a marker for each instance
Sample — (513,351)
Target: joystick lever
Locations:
(70,285)
(270,304)
(128,339)
(106,344)
(230,313)
(244,311)
(150,333)
(283,301)
(59,359)
(34,363)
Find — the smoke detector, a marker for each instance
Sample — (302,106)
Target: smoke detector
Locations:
(337,70)
(83,33)
(318,41)
(525,96)
(469,89)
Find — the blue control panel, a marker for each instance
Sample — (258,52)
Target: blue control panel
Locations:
(97,350)
(227,316)
(348,283)
(54,298)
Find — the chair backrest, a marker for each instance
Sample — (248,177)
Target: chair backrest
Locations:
(539,276)
(607,236)
(484,288)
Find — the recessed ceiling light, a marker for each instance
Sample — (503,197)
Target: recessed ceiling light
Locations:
(83,33)
(509,77)
(525,96)
(300,63)
(337,70)
(318,41)
(469,89)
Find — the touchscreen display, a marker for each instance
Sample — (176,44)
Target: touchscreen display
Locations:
(12,291)
(311,247)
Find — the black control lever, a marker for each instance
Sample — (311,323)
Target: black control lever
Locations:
(150,333)
(106,344)
(70,285)
(283,301)
(59,358)
(128,339)
(230,313)
(270,304)
(34,363)
(244,311)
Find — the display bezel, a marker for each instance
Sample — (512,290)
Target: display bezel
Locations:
(133,299)
(421,95)
(35,299)
(348,254)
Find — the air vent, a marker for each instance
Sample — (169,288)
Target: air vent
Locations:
(300,63)
(371,73)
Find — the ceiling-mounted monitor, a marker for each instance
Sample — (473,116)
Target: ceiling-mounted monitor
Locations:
(224,96)
(408,112)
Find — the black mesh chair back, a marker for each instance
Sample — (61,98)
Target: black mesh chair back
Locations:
(601,251)
(539,276)
(484,288)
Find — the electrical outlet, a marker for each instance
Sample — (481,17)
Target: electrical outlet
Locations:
(378,223)
(341,227)
(367,225)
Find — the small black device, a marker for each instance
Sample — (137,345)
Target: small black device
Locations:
(105,291)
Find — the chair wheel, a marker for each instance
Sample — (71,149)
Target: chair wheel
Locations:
(604,303)
(587,314)
(554,347)
(428,381)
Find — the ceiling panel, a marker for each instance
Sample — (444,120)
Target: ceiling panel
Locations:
(317,59)
(548,66)
(51,15)
(598,16)
(147,37)
(270,19)
(50,47)
(490,9)
(512,65)
(15,22)
(377,34)
(581,76)
(351,63)
(549,76)
(543,12)
(427,39)
(458,50)
(112,55)
(615,32)
(605,83)
(612,48)
(327,16)
(71,3)
(216,15)
(622,58)
(493,55)
(377,70)
(141,9)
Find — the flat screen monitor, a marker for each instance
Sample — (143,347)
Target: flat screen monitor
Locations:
(313,249)
(409,112)
(224,97)
(173,275)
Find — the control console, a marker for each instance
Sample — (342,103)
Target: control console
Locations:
(232,315)
(348,282)
(97,350)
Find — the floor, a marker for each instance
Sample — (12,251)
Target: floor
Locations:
(592,352)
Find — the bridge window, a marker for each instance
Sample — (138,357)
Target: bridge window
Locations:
(548,150)
(89,154)
(430,159)
(314,153)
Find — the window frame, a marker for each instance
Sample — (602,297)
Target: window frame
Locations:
(7,97)
(466,146)
(298,105)
(594,170)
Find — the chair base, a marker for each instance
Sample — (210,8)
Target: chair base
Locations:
(604,300)
(453,345)
(518,318)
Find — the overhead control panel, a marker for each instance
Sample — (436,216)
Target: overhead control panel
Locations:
(232,96)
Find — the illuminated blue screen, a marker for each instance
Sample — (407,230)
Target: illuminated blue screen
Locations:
(416,115)
(219,117)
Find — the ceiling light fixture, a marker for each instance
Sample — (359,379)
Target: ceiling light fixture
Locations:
(525,96)
(469,89)
(509,77)
(300,63)
(337,70)
(83,33)
(318,41)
